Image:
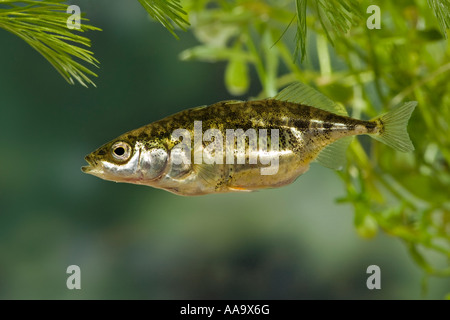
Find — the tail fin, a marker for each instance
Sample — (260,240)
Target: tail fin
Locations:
(394,123)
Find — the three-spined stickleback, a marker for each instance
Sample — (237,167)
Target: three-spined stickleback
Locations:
(243,145)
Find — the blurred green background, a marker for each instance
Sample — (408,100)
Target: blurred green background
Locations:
(135,242)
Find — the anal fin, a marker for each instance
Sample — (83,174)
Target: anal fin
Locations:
(333,156)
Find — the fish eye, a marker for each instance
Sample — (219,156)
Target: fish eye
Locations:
(121,151)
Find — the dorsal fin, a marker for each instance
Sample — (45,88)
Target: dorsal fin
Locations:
(303,94)
(333,155)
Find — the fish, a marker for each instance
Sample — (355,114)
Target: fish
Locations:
(226,146)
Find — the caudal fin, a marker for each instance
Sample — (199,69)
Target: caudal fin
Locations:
(393,131)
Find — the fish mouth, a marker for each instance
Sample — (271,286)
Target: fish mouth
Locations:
(91,164)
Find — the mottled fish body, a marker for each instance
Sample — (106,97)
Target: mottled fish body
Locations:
(297,126)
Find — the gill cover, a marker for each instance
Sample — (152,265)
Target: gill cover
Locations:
(152,163)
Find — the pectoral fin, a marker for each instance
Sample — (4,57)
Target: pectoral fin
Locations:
(206,173)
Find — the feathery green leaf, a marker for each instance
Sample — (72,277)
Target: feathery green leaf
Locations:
(441,10)
(43,25)
(333,15)
(165,11)
(338,15)
(300,37)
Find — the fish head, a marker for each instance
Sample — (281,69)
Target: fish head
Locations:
(127,160)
